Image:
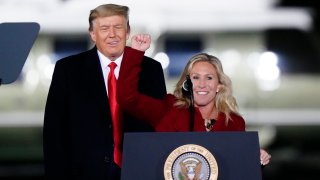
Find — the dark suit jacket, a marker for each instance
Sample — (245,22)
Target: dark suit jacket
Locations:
(77,134)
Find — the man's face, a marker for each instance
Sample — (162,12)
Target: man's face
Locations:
(110,35)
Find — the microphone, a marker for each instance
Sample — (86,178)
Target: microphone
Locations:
(209,123)
(187,85)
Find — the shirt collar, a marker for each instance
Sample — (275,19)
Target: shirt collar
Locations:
(106,61)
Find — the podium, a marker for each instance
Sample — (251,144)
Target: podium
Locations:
(236,155)
(16,40)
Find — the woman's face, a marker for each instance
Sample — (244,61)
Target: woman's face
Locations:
(205,82)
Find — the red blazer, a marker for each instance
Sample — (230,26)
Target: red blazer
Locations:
(161,113)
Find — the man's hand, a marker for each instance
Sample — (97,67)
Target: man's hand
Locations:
(141,42)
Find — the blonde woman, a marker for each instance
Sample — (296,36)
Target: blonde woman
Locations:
(209,103)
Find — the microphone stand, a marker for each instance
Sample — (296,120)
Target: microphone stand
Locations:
(191,112)
(191,107)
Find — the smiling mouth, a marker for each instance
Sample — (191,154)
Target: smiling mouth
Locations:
(113,43)
(202,92)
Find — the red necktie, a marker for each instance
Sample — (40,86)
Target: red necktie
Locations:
(114,108)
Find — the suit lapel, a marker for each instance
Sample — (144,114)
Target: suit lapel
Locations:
(96,83)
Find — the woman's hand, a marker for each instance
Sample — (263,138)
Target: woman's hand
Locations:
(264,157)
(141,42)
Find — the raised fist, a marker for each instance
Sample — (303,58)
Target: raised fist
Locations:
(141,42)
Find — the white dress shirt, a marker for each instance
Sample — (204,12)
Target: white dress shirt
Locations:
(104,62)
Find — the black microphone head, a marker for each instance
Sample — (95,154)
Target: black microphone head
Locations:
(187,84)
(210,124)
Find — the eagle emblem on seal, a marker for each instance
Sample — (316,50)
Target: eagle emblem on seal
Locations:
(190,169)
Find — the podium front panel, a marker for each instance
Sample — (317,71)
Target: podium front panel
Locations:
(237,153)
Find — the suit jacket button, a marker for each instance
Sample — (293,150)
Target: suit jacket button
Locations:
(106,159)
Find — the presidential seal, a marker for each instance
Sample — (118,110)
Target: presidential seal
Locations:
(191,162)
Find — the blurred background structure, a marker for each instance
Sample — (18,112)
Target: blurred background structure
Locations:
(269,48)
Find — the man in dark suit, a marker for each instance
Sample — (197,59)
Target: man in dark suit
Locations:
(78,129)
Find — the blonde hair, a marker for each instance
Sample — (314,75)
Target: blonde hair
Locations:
(224,100)
(107,10)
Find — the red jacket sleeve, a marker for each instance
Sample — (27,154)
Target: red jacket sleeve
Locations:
(139,105)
